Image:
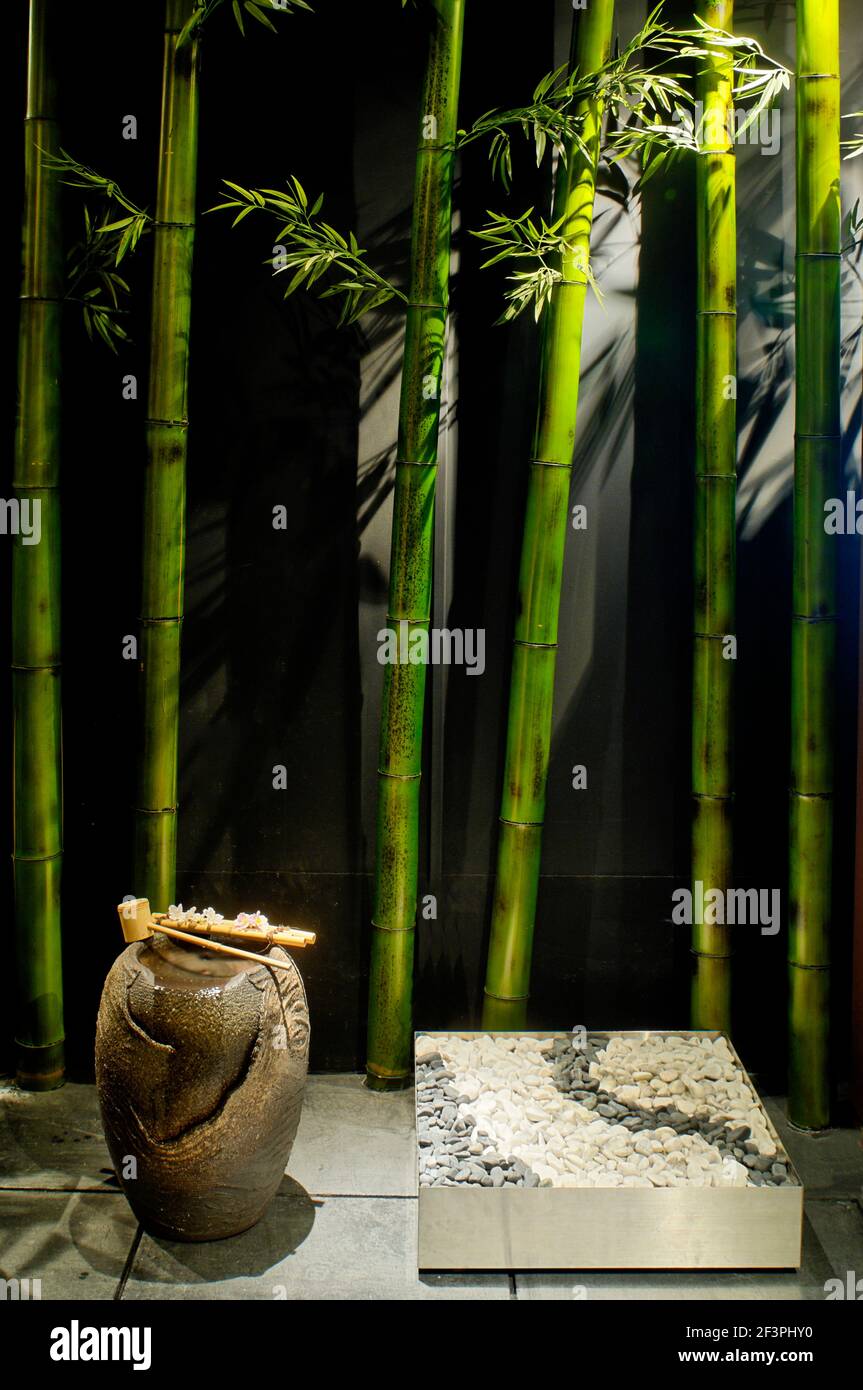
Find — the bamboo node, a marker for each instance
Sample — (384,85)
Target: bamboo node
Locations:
(394,931)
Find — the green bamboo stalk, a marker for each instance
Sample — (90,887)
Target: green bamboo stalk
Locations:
(400,762)
(714,523)
(37,736)
(535,644)
(813,629)
(164,528)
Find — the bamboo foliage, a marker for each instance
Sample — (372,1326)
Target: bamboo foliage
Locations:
(540,574)
(37,740)
(164,523)
(813,628)
(714,522)
(401,734)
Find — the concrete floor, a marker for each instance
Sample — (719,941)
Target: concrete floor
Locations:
(343,1225)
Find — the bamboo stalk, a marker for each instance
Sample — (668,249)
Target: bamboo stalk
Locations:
(714,524)
(37,737)
(164,526)
(813,629)
(400,761)
(535,643)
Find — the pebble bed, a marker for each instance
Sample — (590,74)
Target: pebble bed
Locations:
(608,1111)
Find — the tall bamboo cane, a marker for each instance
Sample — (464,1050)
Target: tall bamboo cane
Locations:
(714,522)
(813,629)
(37,752)
(535,644)
(399,770)
(164,526)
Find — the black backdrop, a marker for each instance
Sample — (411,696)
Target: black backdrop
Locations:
(273,671)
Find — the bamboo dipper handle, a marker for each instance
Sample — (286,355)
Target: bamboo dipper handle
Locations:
(217,946)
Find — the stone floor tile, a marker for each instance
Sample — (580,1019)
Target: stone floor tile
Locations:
(75,1243)
(354,1141)
(52,1139)
(332,1248)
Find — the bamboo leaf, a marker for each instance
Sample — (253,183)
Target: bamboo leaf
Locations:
(113,226)
(260,16)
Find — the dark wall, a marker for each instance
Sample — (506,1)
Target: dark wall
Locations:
(278,664)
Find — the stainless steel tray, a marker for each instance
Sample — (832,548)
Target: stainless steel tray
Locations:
(469,1227)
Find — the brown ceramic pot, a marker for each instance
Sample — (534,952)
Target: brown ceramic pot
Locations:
(200,1066)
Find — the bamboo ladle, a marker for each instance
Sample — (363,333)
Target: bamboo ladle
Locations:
(139,922)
